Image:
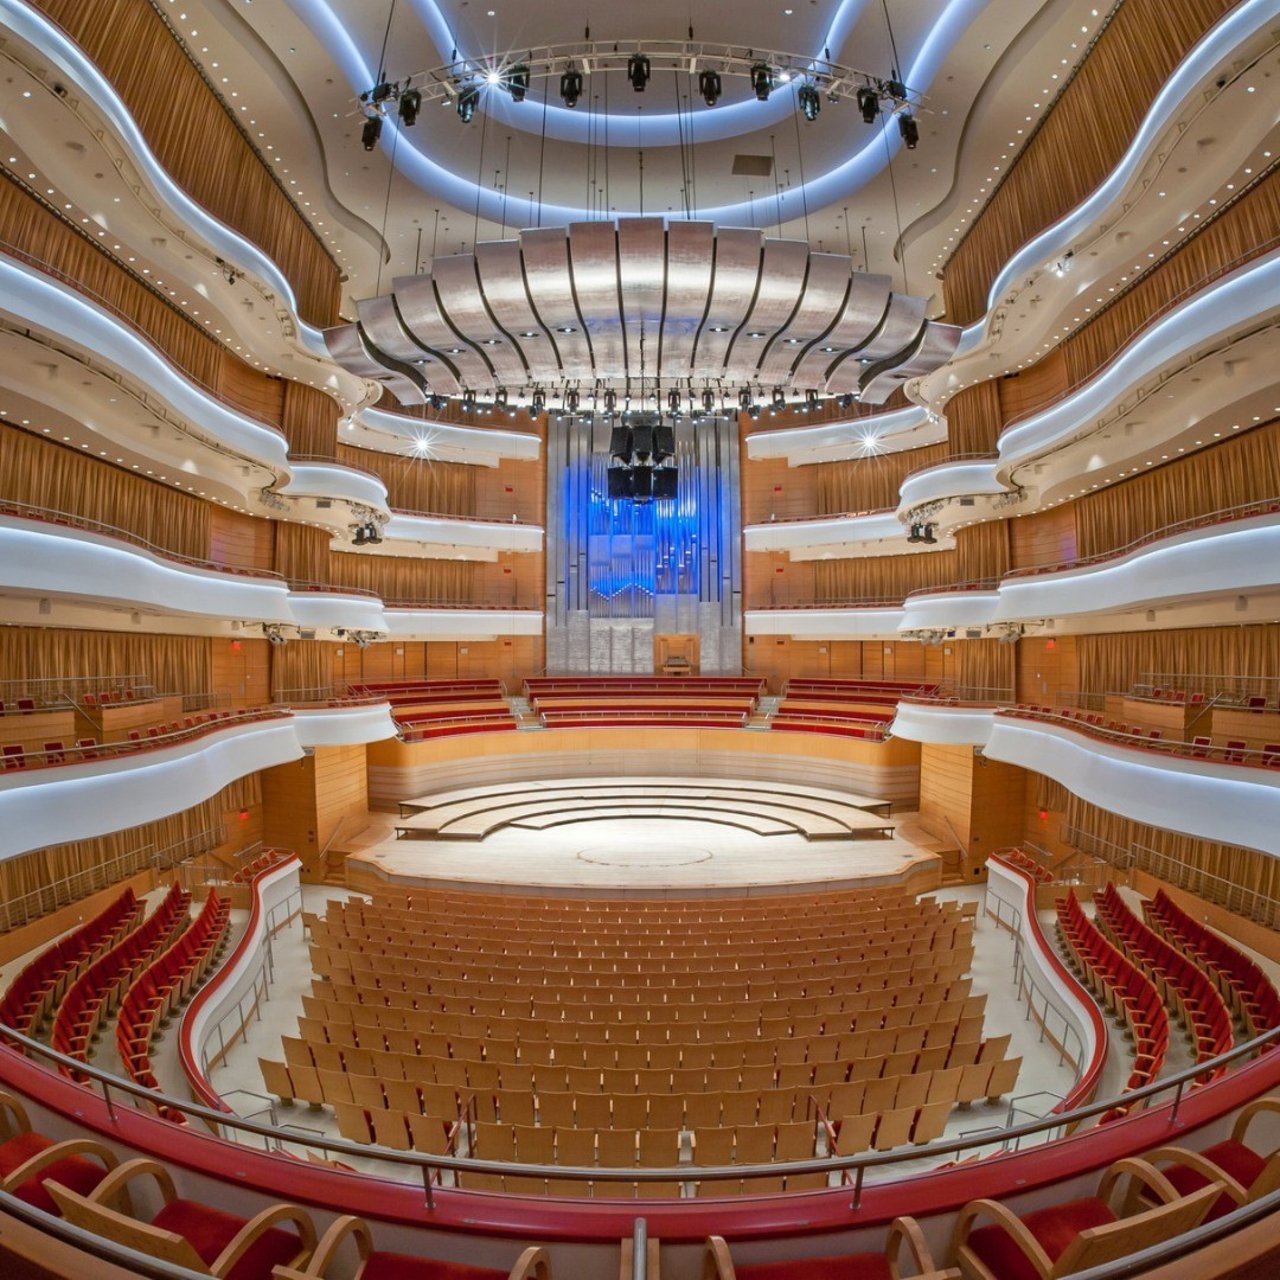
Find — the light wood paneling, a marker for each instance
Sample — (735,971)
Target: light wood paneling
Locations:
(1047,537)
(240,541)
(778,658)
(342,789)
(289,817)
(969,799)
(771,490)
(242,671)
(1048,673)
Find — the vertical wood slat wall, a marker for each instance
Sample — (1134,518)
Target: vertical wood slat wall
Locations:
(196,139)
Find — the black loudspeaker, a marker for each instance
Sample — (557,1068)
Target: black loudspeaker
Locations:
(619,482)
(664,441)
(665,480)
(642,441)
(620,442)
(642,483)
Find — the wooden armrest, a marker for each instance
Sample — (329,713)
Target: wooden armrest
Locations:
(348,1225)
(247,1236)
(717,1263)
(1013,1226)
(116,1183)
(1143,1175)
(39,1162)
(1241,1126)
(532,1264)
(1205,1167)
(906,1230)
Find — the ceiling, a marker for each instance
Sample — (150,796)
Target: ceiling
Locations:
(982,71)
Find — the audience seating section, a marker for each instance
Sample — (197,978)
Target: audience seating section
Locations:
(42,982)
(99,987)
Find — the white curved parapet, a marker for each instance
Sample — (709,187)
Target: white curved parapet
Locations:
(864,437)
(451,538)
(444,623)
(944,723)
(439,441)
(876,533)
(343,725)
(49,806)
(824,624)
(336,611)
(949,610)
(334,481)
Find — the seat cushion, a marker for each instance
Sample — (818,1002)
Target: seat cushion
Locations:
(1054,1229)
(210,1230)
(850,1266)
(1233,1158)
(400,1266)
(75,1172)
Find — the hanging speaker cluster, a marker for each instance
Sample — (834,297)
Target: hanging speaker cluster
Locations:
(642,459)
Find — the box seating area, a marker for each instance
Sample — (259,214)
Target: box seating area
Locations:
(158,991)
(264,861)
(1119,986)
(1240,978)
(871,692)
(408,693)
(1185,989)
(1025,862)
(848,708)
(14,756)
(719,702)
(97,991)
(438,708)
(41,983)
(643,1026)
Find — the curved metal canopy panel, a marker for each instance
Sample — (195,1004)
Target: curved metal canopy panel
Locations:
(636,306)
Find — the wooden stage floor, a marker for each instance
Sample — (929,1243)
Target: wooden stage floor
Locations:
(646,853)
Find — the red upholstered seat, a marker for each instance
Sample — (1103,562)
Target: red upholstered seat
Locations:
(1234,1158)
(76,1172)
(852,1266)
(1054,1228)
(400,1266)
(209,1231)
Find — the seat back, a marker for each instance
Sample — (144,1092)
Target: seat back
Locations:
(127,1231)
(1099,1245)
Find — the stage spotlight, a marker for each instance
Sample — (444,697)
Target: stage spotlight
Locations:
(410,105)
(673,402)
(468,100)
(810,401)
(571,88)
(868,104)
(381,92)
(914,534)
(517,81)
(571,401)
(638,71)
(927,535)
(468,402)
(538,403)
(438,403)
(779,398)
(708,401)
(744,399)
(371,132)
(709,86)
(909,129)
(810,102)
(896,89)
(611,401)
(360,537)
(754,413)
(500,398)
(762,80)
(845,401)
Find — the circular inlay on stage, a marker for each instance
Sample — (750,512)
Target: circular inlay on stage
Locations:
(646,855)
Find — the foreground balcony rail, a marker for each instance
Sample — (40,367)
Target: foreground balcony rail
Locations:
(1221,687)
(48,693)
(155,738)
(1091,724)
(463,519)
(1224,515)
(324,695)
(22,511)
(974,584)
(130,323)
(854,1171)
(331,588)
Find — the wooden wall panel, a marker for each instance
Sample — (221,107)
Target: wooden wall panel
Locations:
(342,790)
(1046,537)
(239,540)
(778,658)
(289,810)
(1048,671)
(772,490)
(241,671)
(946,791)
(512,581)
(772,578)
(419,484)
(1034,388)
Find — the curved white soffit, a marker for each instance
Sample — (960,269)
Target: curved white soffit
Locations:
(824,624)
(1249,296)
(1215,561)
(949,726)
(1231,804)
(343,726)
(462,624)
(76,802)
(334,611)
(333,480)
(810,539)
(487,537)
(949,480)
(72,63)
(943,610)
(33,299)
(45,559)
(439,441)
(910,428)
(1236,28)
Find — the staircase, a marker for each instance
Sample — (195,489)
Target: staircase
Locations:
(765,709)
(526,717)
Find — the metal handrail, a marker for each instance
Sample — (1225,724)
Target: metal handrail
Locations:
(48,515)
(823,515)
(463,519)
(307,584)
(857,1165)
(1235,687)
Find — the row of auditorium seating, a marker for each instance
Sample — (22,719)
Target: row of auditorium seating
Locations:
(166,983)
(261,862)
(96,992)
(1121,987)
(15,756)
(1025,862)
(1183,986)
(411,692)
(868,690)
(426,709)
(1239,977)
(41,983)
